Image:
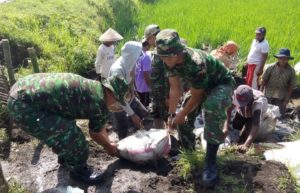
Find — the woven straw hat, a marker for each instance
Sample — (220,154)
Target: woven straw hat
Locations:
(110,36)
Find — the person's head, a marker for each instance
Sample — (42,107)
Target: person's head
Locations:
(150,34)
(108,43)
(115,88)
(146,45)
(260,34)
(110,37)
(243,96)
(230,48)
(283,56)
(169,47)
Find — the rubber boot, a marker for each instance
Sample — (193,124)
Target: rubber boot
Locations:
(210,173)
(86,175)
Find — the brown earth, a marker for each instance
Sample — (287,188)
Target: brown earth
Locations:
(34,166)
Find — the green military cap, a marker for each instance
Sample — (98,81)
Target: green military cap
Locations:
(118,86)
(168,43)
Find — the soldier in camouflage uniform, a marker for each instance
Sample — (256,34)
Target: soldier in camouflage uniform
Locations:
(46,105)
(158,81)
(211,86)
(160,94)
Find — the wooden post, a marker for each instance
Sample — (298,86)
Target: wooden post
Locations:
(7,59)
(3,183)
(32,55)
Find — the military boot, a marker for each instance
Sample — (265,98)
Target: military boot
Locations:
(210,173)
(86,175)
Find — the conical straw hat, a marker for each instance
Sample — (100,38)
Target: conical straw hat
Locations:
(110,36)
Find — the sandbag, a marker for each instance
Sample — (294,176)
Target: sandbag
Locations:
(144,146)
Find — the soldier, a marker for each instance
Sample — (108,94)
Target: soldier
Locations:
(45,105)
(211,86)
(158,81)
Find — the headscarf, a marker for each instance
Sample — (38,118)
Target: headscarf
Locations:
(125,64)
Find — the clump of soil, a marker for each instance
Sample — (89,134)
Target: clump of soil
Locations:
(251,175)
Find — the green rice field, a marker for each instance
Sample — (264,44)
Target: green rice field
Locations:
(216,21)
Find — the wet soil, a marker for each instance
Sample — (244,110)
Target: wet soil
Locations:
(35,166)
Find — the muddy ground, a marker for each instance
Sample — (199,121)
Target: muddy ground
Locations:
(33,165)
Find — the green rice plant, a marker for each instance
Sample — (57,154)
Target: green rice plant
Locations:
(189,160)
(215,22)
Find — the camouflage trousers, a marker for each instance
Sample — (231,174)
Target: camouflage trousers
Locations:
(58,132)
(159,90)
(185,131)
(214,112)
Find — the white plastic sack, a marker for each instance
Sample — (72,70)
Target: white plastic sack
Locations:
(144,146)
(288,155)
(297,68)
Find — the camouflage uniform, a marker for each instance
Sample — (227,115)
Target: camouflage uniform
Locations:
(203,72)
(186,135)
(46,105)
(159,89)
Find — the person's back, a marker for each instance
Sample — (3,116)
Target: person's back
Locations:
(61,93)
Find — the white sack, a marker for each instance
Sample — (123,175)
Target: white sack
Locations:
(144,146)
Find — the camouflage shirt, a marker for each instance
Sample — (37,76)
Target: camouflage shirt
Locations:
(202,70)
(66,94)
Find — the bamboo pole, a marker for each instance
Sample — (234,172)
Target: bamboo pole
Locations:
(8,62)
(32,55)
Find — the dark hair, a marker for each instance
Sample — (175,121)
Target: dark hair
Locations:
(145,43)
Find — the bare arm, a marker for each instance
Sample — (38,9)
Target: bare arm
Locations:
(147,78)
(102,139)
(264,59)
(262,86)
(254,128)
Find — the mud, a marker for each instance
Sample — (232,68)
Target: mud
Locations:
(35,166)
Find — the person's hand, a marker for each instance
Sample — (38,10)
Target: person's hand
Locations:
(242,148)
(137,121)
(225,132)
(260,72)
(170,124)
(112,149)
(179,118)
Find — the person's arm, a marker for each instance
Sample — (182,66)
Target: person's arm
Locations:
(262,86)
(292,84)
(174,97)
(227,121)
(147,77)
(102,139)
(254,129)
(262,65)
(193,102)
(98,61)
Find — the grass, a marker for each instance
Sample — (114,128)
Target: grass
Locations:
(215,21)
(15,187)
(64,33)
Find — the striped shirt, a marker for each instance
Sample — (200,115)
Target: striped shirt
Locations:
(278,81)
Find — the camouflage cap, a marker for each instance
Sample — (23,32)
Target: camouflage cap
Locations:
(168,43)
(118,86)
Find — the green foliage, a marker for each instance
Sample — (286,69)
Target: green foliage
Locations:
(214,22)
(64,33)
(15,187)
(189,160)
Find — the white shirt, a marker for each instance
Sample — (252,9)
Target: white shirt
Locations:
(105,58)
(256,51)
